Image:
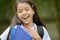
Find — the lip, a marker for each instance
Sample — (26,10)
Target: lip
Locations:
(26,17)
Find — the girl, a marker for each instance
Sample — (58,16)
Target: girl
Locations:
(26,16)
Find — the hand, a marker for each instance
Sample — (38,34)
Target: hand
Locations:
(34,33)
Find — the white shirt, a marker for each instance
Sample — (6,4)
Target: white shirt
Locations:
(46,36)
(4,35)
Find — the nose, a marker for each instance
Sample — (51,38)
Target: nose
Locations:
(24,12)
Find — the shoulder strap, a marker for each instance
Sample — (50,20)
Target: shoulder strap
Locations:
(40,31)
(9,33)
(12,30)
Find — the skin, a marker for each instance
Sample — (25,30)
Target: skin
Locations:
(25,14)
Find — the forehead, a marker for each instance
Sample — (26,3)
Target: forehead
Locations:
(23,5)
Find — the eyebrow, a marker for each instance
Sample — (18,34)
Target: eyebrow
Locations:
(24,8)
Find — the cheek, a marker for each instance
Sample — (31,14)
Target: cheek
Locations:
(19,15)
(32,12)
(31,15)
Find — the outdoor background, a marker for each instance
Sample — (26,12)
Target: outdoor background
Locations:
(49,13)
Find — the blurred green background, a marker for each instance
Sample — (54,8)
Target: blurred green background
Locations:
(49,13)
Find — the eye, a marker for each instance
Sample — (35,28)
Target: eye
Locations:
(20,10)
(27,9)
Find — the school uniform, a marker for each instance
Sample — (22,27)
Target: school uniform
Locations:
(5,33)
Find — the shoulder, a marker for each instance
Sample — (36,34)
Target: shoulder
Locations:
(46,34)
(40,30)
(14,26)
(45,30)
(4,35)
(43,33)
(13,29)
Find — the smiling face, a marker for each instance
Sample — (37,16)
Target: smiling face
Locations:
(25,13)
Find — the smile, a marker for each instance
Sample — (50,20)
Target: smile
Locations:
(26,17)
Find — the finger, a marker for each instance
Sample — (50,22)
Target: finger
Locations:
(28,29)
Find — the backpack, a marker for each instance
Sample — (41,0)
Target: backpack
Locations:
(39,29)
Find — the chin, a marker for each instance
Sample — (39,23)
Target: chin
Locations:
(26,22)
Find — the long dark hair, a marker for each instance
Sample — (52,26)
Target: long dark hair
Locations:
(16,20)
(36,18)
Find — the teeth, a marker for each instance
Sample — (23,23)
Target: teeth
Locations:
(25,17)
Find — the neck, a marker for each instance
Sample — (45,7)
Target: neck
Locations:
(28,24)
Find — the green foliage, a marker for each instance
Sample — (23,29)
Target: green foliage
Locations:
(6,13)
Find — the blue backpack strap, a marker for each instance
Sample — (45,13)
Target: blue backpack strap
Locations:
(13,29)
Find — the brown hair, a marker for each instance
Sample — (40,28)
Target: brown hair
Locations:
(16,20)
(35,16)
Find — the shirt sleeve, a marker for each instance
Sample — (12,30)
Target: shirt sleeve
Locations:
(46,35)
(4,35)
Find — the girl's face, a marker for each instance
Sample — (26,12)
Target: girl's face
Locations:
(25,13)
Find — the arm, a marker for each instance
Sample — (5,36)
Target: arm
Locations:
(46,35)
(4,35)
